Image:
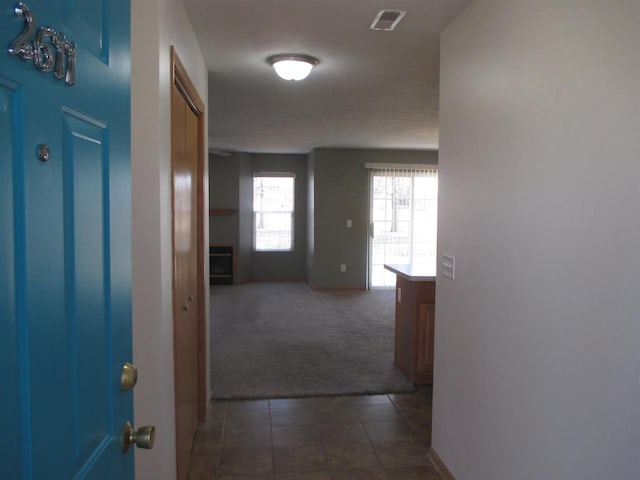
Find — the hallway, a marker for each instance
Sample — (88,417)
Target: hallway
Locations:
(366,437)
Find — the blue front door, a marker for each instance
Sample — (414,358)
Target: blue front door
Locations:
(65,275)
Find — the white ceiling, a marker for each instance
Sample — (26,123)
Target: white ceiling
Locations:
(371,89)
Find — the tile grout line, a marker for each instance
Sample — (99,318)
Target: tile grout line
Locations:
(223,429)
(273,447)
(417,438)
(375,451)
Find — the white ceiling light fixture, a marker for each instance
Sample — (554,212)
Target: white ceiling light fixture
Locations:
(293,66)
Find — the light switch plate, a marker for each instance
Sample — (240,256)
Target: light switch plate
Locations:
(449,266)
(349,223)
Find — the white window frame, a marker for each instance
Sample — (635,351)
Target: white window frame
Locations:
(255,212)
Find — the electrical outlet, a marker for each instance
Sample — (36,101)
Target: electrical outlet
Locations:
(343,267)
(349,223)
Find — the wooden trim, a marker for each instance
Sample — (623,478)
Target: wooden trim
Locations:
(203,262)
(439,464)
(180,78)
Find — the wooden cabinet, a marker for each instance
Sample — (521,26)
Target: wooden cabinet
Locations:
(424,344)
(414,326)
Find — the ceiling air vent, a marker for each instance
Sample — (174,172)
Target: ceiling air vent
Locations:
(386,20)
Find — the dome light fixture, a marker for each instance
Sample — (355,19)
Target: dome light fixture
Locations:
(292,66)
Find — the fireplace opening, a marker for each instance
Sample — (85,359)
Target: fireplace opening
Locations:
(221,265)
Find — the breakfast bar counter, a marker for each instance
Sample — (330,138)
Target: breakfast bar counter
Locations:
(415,321)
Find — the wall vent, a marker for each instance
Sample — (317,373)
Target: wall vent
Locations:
(386,20)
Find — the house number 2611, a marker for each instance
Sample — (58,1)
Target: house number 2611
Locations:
(46,48)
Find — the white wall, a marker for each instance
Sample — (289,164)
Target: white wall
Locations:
(156,25)
(537,364)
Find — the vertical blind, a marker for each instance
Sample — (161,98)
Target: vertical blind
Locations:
(404,207)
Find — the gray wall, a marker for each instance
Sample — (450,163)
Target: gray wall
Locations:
(341,192)
(537,338)
(228,189)
(310,217)
(223,193)
(285,265)
(332,186)
(244,264)
(231,186)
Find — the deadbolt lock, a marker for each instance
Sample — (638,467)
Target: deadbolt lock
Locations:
(129,377)
(143,437)
(43,152)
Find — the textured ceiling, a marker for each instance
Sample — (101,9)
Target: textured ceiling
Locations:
(370,90)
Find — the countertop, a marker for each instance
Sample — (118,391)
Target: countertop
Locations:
(413,273)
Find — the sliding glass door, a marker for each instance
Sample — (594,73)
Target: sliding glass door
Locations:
(404,207)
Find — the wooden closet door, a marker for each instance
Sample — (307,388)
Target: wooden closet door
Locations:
(184,137)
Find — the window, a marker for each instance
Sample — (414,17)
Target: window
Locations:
(273,208)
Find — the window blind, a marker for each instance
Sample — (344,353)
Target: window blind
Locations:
(404,206)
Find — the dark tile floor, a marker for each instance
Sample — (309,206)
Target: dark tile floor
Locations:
(366,437)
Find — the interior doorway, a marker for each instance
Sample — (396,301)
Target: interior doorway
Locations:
(403,218)
(189,316)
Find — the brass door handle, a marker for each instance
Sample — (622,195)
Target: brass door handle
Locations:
(143,437)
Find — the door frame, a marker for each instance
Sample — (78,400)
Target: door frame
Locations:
(374,169)
(185,86)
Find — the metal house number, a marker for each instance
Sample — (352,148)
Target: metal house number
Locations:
(47,50)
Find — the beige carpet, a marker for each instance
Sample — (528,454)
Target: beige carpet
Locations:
(285,340)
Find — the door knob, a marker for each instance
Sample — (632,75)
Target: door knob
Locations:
(144,437)
(129,377)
